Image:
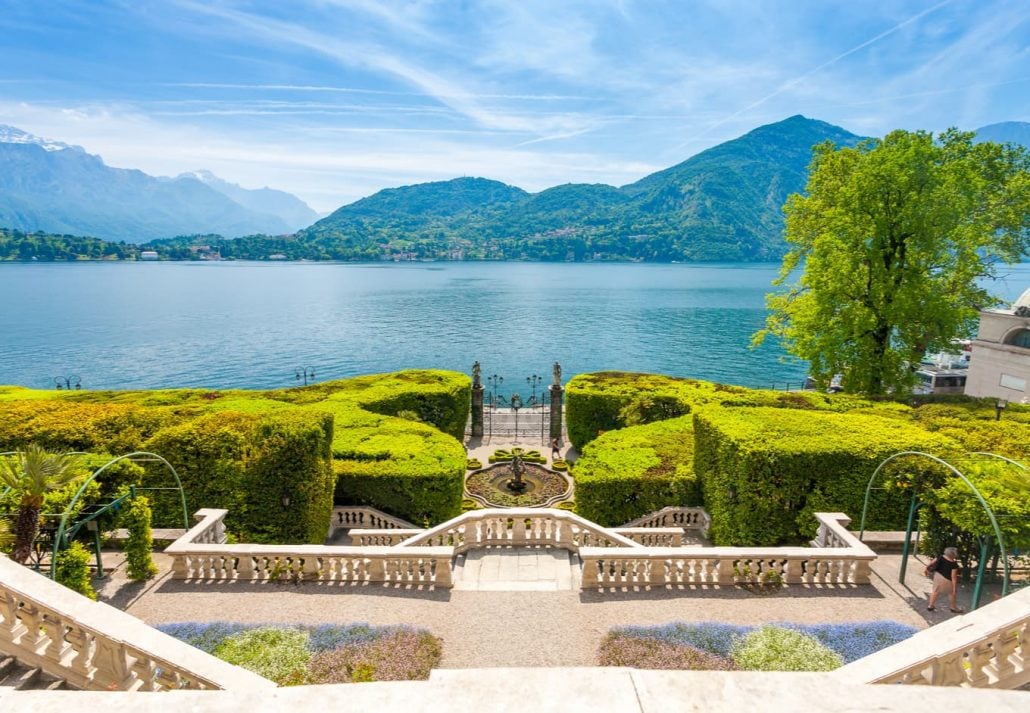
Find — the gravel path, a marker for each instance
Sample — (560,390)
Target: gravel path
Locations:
(521,628)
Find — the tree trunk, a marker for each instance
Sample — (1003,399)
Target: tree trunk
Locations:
(26,528)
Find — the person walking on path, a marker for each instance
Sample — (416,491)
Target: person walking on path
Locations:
(944,571)
(555,449)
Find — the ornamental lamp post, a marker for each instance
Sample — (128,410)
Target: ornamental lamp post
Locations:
(307,373)
(533,381)
(68,382)
(494,381)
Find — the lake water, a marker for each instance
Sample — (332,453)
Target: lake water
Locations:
(251,325)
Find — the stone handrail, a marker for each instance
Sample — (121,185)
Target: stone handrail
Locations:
(93,646)
(653,536)
(675,516)
(381,538)
(212,561)
(989,647)
(518,527)
(844,560)
(351,516)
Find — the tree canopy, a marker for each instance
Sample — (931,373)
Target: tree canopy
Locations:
(894,237)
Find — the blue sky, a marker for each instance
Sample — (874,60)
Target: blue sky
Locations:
(335,99)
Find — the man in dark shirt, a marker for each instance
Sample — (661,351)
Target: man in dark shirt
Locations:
(945,579)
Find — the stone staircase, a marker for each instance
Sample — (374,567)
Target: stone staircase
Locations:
(23,678)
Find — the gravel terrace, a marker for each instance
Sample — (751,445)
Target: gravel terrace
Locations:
(522,628)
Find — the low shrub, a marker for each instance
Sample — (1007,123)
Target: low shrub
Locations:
(327,653)
(206,636)
(278,654)
(399,656)
(560,465)
(850,641)
(473,464)
(139,546)
(774,648)
(713,637)
(72,570)
(655,654)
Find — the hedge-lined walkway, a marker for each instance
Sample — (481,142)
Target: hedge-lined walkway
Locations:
(525,628)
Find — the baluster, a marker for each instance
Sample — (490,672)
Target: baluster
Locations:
(980,657)
(35,637)
(11,627)
(312,569)
(590,572)
(658,575)
(1005,646)
(58,647)
(518,535)
(180,567)
(84,645)
(112,666)
(724,569)
(377,570)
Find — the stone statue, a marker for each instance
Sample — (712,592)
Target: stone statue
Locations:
(475,375)
(557,374)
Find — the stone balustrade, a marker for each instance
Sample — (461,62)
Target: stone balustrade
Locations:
(382,538)
(845,560)
(986,648)
(653,536)
(368,518)
(687,518)
(210,561)
(93,646)
(519,527)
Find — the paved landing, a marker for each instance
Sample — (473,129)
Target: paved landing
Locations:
(517,569)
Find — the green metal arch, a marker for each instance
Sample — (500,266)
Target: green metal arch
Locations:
(987,508)
(134,456)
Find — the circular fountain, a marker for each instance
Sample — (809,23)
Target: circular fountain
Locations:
(517,484)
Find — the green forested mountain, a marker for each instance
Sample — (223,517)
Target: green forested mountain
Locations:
(722,204)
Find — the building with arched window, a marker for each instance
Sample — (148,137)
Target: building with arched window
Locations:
(1000,363)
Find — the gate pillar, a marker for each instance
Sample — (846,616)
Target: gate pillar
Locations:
(556,403)
(477,403)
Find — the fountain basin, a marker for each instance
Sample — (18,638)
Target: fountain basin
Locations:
(543,486)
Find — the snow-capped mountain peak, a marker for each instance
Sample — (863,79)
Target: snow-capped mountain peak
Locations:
(13,135)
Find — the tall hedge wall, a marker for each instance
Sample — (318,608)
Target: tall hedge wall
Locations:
(243,450)
(764,471)
(594,403)
(625,474)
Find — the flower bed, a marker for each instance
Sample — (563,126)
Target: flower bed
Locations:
(329,653)
(718,646)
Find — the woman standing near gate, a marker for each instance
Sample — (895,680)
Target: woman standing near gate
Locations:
(944,571)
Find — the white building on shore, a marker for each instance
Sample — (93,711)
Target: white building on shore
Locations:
(1000,363)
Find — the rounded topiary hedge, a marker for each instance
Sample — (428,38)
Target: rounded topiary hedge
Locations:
(610,400)
(247,450)
(625,474)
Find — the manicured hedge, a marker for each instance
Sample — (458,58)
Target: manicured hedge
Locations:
(407,469)
(600,402)
(626,474)
(244,450)
(765,471)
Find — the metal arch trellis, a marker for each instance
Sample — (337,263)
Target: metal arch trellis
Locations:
(63,530)
(915,505)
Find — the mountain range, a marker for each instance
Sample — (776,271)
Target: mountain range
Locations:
(53,187)
(721,204)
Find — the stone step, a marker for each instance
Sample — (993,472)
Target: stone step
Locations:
(23,678)
(500,569)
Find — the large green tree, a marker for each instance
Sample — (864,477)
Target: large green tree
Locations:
(33,473)
(894,238)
